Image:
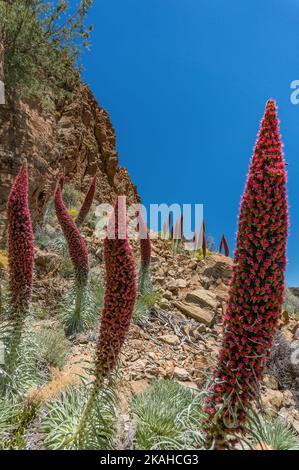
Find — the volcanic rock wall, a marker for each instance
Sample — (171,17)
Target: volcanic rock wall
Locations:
(77,138)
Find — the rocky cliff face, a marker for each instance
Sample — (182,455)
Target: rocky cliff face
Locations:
(77,139)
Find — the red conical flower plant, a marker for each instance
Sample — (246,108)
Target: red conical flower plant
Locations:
(145,251)
(61,181)
(85,208)
(257,286)
(119,302)
(145,244)
(120,293)
(74,321)
(21,265)
(20,245)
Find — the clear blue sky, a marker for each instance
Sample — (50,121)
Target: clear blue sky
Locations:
(185,83)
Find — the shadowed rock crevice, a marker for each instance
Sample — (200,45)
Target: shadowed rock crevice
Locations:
(284,365)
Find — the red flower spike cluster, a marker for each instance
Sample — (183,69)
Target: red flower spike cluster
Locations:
(61,181)
(170,226)
(256,291)
(204,243)
(76,245)
(85,208)
(182,227)
(120,294)
(224,244)
(145,242)
(145,250)
(20,244)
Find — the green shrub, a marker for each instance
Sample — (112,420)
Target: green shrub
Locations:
(144,304)
(53,347)
(71,197)
(291,303)
(199,253)
(41,239)
(18,420)
(42,43)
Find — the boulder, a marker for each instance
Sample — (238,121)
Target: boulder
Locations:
(216,266)
(170,339)
(202,315)
(203,298)
(272,398)
(181,283)
(181,374)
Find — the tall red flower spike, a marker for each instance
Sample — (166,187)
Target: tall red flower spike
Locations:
(170,226)
(182,227)
(120,293)
(204,243)
(145,242)
(145,253)
(20,244)
(61,181)
(257,286)
(76,245)
(85,208)
(224,245)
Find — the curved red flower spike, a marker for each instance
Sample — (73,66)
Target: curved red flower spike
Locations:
(85,208)
(224,245)
(76,245)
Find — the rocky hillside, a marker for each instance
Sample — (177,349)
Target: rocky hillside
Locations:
(76,138)
(178,338)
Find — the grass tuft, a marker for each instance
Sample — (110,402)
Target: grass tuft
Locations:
(26,374)
(89,314)
(60,426)
(274,434)
(167,417)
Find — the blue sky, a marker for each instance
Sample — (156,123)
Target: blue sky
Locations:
(185,83)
